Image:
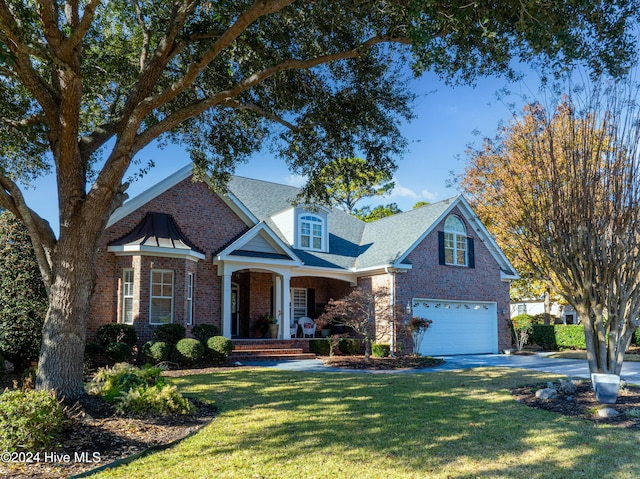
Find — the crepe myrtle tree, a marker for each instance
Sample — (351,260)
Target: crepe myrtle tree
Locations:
(86,85)
(573,176)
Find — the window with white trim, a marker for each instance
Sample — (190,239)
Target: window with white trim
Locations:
(521,309)
(455,241)
(161,304)
(127,296)
(311,232)
(190,284)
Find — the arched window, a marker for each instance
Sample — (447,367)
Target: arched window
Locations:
(311,232)
(455,241)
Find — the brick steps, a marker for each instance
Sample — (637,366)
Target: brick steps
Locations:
(270,350)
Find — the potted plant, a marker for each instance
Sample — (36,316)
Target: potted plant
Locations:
(272,324)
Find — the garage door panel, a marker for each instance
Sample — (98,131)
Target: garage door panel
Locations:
(458,327)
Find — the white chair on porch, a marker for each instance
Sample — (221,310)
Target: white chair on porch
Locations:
(308,327)
(293,330)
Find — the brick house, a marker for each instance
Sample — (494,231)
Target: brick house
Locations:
(184,254)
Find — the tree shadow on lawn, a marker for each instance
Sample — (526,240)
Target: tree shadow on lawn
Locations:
(447,424)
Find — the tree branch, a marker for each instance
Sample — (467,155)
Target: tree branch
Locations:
(225,96)
(40,232)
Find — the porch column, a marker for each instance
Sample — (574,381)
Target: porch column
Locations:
(286,307)
(277,294)
(226,305)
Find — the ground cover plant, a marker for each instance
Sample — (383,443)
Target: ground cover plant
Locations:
(460,424)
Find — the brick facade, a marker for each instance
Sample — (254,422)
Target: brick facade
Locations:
(211,225)
(428,279)
(216,224)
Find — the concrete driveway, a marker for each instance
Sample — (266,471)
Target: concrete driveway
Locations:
(538,362)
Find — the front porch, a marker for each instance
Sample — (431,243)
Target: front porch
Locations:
(252,297)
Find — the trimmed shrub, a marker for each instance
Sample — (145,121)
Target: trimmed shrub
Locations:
(156,351)
(169,333)
(203,332)
(559,336)
(189,351)
(118,352)
(116,333)
(29,420)
(636,337)
(320,347)
(218,349)
(380,350)
(349,346)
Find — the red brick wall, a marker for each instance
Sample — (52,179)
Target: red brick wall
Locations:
(215,223)
(428,279)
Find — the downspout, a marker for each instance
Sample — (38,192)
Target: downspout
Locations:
(392,340)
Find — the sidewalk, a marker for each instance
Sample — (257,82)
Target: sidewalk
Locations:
(538,362)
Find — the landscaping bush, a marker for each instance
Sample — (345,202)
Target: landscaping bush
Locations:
(3,369)
(156,352)
(349,346)
(570,336)
(138,391)
(380,350)
(544,336)
(219,349)
(29,420)
(93,353)
(118,352)
(116,333)
(153,401)
(559,336)
(203,332)
(169,333)
(636,337)
(189,351)
(320,347)
(23,298)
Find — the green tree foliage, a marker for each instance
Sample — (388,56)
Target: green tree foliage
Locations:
(366,213)
(86,85)
(349,180)
(23,299)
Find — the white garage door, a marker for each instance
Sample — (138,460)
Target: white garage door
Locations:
(459,327)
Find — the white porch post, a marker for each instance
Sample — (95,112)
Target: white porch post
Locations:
(277,293)
(286,309)
(226,305)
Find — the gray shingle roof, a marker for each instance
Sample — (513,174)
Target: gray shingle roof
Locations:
(352,242)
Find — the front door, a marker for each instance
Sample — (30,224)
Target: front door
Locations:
(235,310)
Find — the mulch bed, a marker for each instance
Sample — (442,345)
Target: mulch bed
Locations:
(401,362)
(95,429)
(583,403)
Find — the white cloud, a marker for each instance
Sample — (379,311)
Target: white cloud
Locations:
(295,180)
(403,192)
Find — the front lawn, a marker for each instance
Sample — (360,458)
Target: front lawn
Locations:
(277,424)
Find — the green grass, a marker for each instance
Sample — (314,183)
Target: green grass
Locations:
(464,424)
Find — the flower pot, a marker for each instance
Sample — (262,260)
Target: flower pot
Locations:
(605,387)
(273,331)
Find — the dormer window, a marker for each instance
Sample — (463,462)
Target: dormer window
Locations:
(311,232)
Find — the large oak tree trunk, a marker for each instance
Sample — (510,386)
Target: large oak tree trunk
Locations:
(61,360)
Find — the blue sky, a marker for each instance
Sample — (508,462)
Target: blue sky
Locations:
(447,120)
